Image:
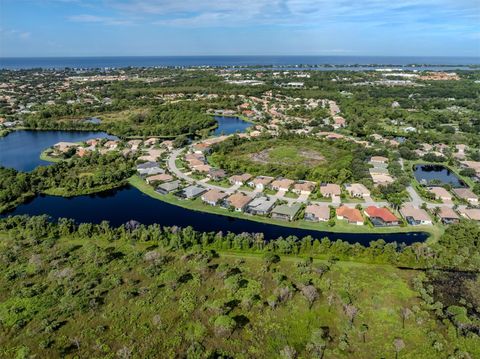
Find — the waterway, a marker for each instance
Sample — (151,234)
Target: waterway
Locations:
(121,205)
(426,173)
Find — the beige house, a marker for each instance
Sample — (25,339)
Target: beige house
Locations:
(330,190)
(283,184)
(440,193)
(467,195)
(304,187)
(357,190)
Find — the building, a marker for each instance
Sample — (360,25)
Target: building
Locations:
(282,184)
(191,192)
(260,182)
(202,168)
(149,169)
(261,205)
(440,193)
(467,195)
(238,201)
(470,213)
(317,213)
(163,177)
(415,216)
(285,212)
(239,179)
(381,217)
(378,159)
(330,190)
(202,148)
(351,215)
(65,146)
(217,174)
(447,215)
(304,187)
(213,197)
(168,187)
(357,190)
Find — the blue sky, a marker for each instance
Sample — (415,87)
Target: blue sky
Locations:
(240,27)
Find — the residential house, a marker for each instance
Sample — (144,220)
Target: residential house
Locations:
(149,169)
(261,205)
(163,177)
(65,146)
(168,187)
(470,213)
(202,148)
(213,197)
(415,216)
(286,212)
(351,215)
(339,122)
(282,184)
(260,182)
(447,215)
(381,217)
(304,187)
(238,201)
(191,192)
(330,190)
(239,179)
(317,213)
(440,193)
(467,195)
(378,159)
(202,168)
(357,190)
(217,174)
(474,165)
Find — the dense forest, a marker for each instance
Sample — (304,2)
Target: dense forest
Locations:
(135,291)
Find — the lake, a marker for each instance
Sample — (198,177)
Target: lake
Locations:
(21,149)
(425,173)
(230,125)
(122,205)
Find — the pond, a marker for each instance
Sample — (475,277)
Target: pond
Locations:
(122,205)
(230,125)
(21,149)
(426,173)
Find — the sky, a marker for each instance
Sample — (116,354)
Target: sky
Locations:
(31,28)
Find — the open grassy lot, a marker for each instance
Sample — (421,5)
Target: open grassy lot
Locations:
(90,297)
(296,158)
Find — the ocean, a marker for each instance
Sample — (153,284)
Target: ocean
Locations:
(336,62)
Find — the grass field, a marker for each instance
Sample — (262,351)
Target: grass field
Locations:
(293,158)
(76,297)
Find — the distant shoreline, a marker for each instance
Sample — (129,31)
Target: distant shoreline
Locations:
(242,61)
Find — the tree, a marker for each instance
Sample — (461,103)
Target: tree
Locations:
(310,293)
(224,325)
(398,344)
(405,313)
(351,312)
(317,344)
(364,330)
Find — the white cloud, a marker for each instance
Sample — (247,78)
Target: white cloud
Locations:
(15,34)
(99,20)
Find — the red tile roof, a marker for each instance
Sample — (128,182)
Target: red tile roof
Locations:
(382,213)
